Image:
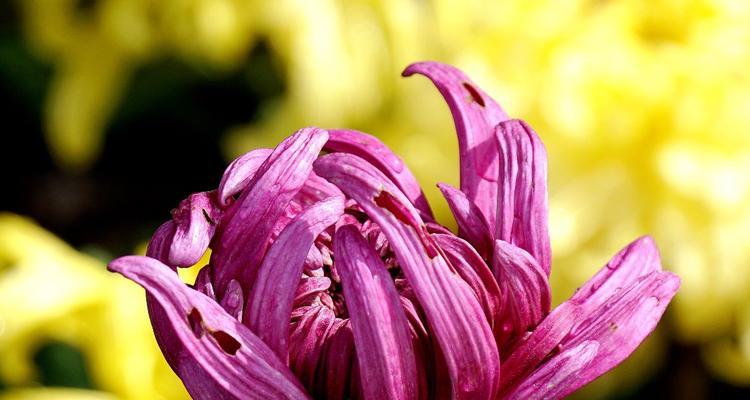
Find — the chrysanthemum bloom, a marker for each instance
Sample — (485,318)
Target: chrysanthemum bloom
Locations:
(329,277)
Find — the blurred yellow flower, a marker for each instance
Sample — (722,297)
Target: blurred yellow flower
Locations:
(646,99)
(55,394)
(51,292)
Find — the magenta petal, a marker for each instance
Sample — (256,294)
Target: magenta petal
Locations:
(270,302)
(307,340)
(309,287)
(474,272)
(522,197)
(472,225)
(233,302)
(248,223)
(475,115)
(618,308)
(554,377)
(379,155)
(161,241)
(639,258)
(525,290)
(219,357)
(529,353)
(422,344)
(453,312)
(195,223)
(158,248)
(316,189)
(239,174)
(620,324)
(203,282)
(338,361)
(381,335)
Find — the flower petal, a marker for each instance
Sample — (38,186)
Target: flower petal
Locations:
(554,377)
(474,272)
(525,291)
(639,258)
(381,335)
(472,225)
(219,357)
(309,287)
(314,190)
(381,157)
(232,302)
(618,308)
(239,174)
(453,312)
(525,356)
(621,323)
(422,344)
(248,223)
(269,305)
(195,224)
(307,339)
(475,115)
(161,241)
(522,182)
(338,359)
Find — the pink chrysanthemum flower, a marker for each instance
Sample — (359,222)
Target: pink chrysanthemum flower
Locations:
(330,278)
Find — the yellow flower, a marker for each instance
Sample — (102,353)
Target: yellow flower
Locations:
(55,394)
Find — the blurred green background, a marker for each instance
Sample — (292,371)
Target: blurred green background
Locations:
(114,110)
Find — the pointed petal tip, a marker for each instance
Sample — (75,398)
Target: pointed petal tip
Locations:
(420,67)
(121,264)
(672,283)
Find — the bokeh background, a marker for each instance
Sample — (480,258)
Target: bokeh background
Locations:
(114,110)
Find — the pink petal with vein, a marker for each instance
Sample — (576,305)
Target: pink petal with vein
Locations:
(453,312)
(475,115)
(247,226)
(218,356)
(381,337)
(271,299)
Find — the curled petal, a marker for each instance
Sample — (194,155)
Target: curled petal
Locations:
(525,290)
(618,308)
(195,223)
(421,342)
(218,356)
(620,324)
(316,189)
(307,339)
(475,115)
(310,287)
(553,378)
(270,303)
(522,197)
(239,174)
(161,241)
(381,336)
(233,302)
(639,258)
(527,355)
(338,359)
(203,282)
(472,225)
(248,223)
(158,248)
(474,272)
(379,155)
(453,312)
